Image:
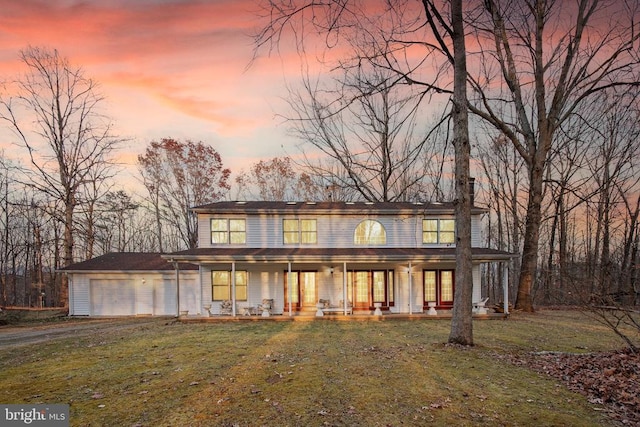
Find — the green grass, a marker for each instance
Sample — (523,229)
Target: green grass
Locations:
(386,373)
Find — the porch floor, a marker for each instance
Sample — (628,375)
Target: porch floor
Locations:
(310,317)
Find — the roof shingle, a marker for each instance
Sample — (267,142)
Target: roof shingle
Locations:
(127,261)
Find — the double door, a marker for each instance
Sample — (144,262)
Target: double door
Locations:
(301,290)
(369,287)
(438,288)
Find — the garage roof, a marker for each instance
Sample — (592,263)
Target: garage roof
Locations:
(127,261)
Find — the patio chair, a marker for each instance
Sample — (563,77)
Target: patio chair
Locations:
(226,307)
(266,307)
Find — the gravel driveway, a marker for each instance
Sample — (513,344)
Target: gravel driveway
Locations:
(16,336)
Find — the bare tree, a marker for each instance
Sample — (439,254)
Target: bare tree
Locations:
(545,63)
(277,179)
(55,114)
(115,228)
(368,134)
(179,176)
(503,169)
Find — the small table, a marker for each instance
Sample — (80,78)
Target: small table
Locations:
(248,310)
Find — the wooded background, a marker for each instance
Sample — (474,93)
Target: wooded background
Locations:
(553,102)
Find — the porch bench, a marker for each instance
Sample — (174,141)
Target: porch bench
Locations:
(324,306)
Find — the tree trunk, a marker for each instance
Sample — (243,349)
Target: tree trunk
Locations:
(461,322)
(528,269)
(68,249)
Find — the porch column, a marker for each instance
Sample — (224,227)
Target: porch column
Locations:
(176,266)
(233,288)
(505,285)
(345,302)
(410,289)
(289,286)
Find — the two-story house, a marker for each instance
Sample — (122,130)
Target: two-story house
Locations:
(396,257)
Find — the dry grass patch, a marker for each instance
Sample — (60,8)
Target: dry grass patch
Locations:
(302,373)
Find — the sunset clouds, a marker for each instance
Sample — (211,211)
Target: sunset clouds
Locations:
(167,68)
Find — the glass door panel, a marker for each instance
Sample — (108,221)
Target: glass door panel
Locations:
(429,286)
(379,287)
(308,294)
(446,287)
(361,289)
(292,290)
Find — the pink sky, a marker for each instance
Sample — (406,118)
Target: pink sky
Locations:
(167,68)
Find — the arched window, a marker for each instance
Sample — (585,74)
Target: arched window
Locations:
(370,232)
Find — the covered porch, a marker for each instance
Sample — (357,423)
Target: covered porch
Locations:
(315,283)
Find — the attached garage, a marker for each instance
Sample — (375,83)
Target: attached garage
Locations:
(131,284)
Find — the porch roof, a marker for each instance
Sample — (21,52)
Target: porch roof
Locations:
(298,254)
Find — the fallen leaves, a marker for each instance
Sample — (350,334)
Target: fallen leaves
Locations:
(611,379)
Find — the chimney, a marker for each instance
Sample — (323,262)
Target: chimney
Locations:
(472,191)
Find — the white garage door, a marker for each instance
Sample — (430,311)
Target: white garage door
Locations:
(113,297)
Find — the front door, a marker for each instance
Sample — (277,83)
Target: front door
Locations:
(370,287)
(361,290)
(300,288)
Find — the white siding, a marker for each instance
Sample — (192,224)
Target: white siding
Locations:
(204,231)
(477,288)
(333,230)
(476,231)
(134,293)
(144,297)
(189,296)
(164,303)
(79,295)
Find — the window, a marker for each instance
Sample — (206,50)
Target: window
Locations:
(221,285)
(438,287)
(296,231)
(370,232)
(225,231)
(438,230)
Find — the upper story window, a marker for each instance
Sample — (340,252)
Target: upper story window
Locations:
(438,231)
(295,231)
(370,232)
(228,231)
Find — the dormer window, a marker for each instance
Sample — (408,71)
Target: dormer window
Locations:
(436,231)
(370,232)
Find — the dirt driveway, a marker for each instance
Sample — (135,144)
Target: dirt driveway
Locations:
(24,335)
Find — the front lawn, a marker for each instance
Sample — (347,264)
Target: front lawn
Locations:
(387,373)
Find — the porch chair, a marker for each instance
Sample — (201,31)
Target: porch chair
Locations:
(226,307)
(265,308)
(480,306)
